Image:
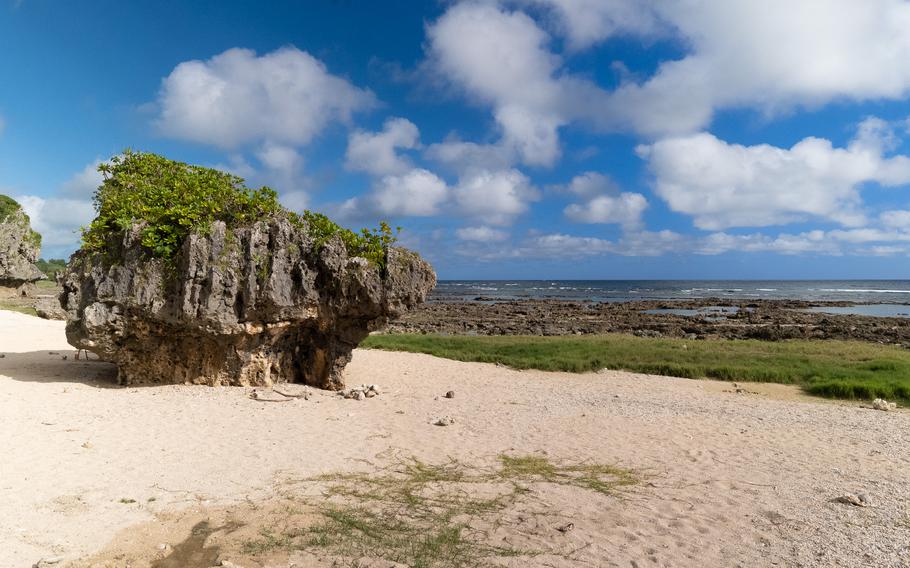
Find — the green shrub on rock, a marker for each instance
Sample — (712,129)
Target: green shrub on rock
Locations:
(173,199)
(8,206)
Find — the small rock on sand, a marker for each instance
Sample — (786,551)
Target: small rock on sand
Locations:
(45,562)
(450,394)
(361,392)
(882,404)
(852,499)
(443,421)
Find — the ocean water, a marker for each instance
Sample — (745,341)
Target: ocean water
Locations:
(895,292)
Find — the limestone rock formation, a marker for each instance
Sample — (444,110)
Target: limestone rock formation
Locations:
(19,246)
(250,306)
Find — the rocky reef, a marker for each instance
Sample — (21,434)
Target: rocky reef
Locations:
(188,276)
(19,246)
(252,306)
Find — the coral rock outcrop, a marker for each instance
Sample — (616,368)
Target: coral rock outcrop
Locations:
(19,246)
(257,305)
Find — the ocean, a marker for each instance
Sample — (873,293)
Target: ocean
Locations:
(859,291)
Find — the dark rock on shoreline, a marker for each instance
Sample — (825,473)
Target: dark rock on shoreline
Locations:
(250,306)
(752,319)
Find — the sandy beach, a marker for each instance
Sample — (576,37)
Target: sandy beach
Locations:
(93,474)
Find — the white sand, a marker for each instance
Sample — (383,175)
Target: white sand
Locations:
(732,479)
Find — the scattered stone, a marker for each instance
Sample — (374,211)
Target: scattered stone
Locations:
(443,421)
(882,404)
(268,396)
(450,394)
(361,392)
(228,564)
(2,355)
(45,562)
(852,499)
(88,445)
(565,528)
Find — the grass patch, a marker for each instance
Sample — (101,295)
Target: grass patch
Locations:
(28,310)
(838,369)
(428,515)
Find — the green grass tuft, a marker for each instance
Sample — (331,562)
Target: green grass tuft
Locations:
(837,369)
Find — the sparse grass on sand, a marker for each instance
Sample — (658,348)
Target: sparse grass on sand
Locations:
(22,309)
(837,369)
(427,515)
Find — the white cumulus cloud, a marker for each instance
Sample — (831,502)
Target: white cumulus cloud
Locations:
(376,152)
(84,183)
(725,185)
(501,58)
(604,203)
(624,209)
(587,22)
(897,219)
(481,234)
(57,219)
(417,193)
(495,197)
(286,96)
(772,55)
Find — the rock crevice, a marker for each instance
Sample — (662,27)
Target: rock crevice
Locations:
(250,306)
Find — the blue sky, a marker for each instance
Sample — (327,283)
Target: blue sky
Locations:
(511,139)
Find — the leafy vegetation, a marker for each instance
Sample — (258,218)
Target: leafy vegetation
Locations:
(370,244)
(51,267)
(8,206)
(427,515)
(173,199)
(838,369)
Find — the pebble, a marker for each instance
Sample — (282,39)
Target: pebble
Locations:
(882,404)
(855,500)
(361,392)
(44,562)
(450,394)
(443,421)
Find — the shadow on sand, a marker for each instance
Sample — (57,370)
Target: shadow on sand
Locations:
(192,552)
(58,367)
